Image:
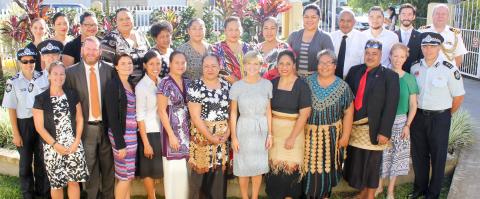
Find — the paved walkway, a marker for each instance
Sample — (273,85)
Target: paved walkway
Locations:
(465,183)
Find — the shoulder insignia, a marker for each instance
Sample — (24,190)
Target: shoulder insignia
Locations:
(455,30)
(457,75)
(424,27)
(8,87)
(36,74)
(15,77)
(448,64)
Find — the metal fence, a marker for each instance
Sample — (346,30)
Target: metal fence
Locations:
(467,19)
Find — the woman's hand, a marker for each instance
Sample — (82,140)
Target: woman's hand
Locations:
(73,148)
(60,149)
(122,153)
(289,143)
(269,142)
(405,132)
(17,140)
(174,143)
(382,139)
(148,151)
(235,145)
(343,142)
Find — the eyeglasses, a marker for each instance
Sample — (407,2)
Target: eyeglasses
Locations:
(326,64)
(31,61)
(90,25)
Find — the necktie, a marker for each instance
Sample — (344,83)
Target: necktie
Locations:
(94,98)
(361,91)
(341,57)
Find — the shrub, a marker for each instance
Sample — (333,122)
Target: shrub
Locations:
(3,83)
(461,134)
(5,130)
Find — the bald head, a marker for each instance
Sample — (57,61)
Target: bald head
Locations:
(440,16)
(346,21)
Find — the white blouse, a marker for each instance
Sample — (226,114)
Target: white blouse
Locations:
(146,102)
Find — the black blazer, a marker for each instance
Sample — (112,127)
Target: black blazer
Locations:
(415,52)
(381,94)
(77,80)
(43,102)
(116,109)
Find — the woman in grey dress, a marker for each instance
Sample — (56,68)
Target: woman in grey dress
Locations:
(252,139)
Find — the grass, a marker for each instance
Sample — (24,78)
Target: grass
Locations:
(9,188)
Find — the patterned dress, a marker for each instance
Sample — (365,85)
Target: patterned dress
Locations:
(194,60)
(125,168)
(230,63)
(215,104)
(323,160)
(179,117)
(62,169)
(252,126)
(269,68)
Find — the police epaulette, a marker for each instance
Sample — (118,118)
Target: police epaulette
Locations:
(37,74)
(15,76)
(448,64)
(456,31)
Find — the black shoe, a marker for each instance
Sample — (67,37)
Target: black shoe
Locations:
(415,195)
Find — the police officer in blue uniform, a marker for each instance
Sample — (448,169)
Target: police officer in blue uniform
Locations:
(441,94)
(50,51)
(19,96)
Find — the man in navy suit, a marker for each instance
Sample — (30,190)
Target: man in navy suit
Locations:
(408,35)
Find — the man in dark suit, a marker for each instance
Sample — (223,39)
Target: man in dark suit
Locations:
(408,35)
(88,78)
(376,91)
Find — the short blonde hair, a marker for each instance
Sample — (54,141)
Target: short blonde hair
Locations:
(400,46)
(252,55)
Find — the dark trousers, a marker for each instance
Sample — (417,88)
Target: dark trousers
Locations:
(99,157)
(33,181)
(429,144)
(210,185)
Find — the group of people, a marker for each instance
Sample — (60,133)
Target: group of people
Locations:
(302,114)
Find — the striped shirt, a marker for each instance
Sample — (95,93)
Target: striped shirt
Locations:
(303,57)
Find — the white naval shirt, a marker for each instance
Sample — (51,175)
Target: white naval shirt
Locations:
(449,40)
(20,94)
(438,84)
(388,38)
(87,74)
(146,104)
(355,48)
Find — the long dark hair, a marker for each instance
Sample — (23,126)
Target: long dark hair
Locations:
(394,14)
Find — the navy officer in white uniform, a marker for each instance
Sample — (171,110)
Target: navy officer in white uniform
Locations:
(20,91)
(441,94)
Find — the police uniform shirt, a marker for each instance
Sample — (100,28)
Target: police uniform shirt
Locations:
(388,38)
(438,84)
(42,82)
(20,94)
(453,45)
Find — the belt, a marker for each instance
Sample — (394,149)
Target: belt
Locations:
(95,123)
(431,112)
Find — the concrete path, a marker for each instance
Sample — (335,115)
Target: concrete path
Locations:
(465,182)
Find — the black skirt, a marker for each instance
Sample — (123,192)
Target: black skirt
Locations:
(362,168)
(281,185)
(152,168)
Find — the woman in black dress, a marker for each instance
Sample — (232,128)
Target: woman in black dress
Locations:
(291,104)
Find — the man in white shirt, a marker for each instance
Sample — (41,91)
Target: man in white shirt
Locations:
(409,36)
(348,43)
(378,32)
(453,47)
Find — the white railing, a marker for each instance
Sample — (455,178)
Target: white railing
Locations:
(467,20)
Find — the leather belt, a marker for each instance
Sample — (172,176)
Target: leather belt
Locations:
(431,112)
(95,123)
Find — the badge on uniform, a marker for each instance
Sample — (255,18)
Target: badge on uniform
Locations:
(417,73)
(30,87)
(8,88)
(457,75)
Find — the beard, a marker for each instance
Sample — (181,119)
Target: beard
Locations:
(406,22)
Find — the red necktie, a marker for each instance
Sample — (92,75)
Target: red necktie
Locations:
(361,90)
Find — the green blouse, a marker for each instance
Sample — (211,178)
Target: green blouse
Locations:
(408,86)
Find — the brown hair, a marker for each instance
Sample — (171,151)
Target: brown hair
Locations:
(406,6)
